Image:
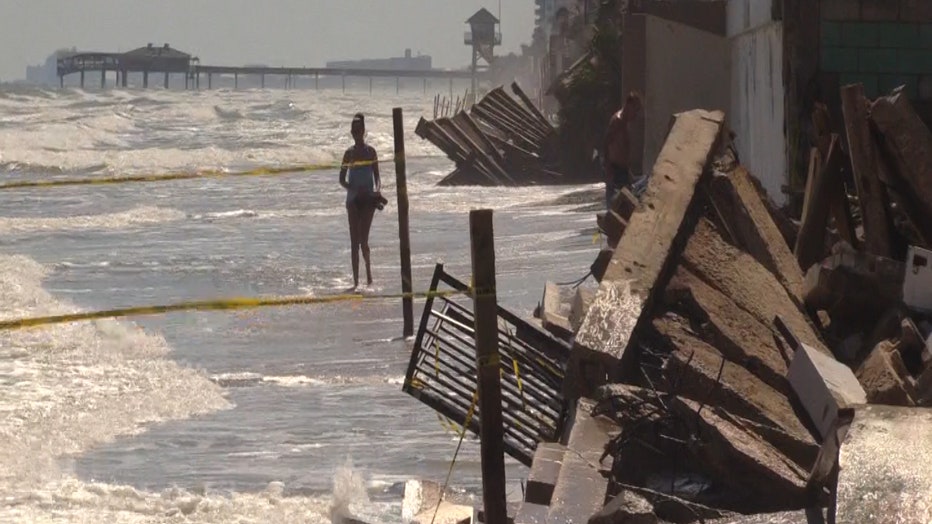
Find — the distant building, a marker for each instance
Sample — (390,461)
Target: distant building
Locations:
(46,74)
(406,63)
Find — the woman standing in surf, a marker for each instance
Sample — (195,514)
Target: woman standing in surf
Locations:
(362,191)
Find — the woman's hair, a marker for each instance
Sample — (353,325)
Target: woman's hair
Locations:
(359,119)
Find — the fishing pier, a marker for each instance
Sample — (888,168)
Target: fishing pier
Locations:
(167,61)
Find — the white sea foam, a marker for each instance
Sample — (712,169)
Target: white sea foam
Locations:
(67,387)
(139,216)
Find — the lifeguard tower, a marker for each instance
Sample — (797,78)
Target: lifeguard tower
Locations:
(483,36)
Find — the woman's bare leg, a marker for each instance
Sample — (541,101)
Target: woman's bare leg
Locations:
(365,224)
(353,215)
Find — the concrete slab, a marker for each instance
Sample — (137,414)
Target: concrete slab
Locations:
(741,278)
(885,378)
(579,493)
(530,513)
(545,470)
(744,461)
(581,302)
(694,366)
(824,386)
(754,228)
(885,474)
(648,251)
(733,331)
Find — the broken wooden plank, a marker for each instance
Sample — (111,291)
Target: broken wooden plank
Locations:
(755,230)
(866,164)
(810,243)
(738,276)
(648,251)
(530,106)
(909,143)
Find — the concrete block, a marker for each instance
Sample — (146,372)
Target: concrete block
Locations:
(824,386)
(554,310)
(909,83)
(626,507)
(530,513)
(884,466)
(877,60)
(581,303)
(885,378)
(542,478)
(859,34)
(841,10)
(925,35)
(899,35)
(840,59)
(579,493)
(912,62)
(869,81)
(880,10)
(917,283)
(916,11)
(925,86)
(831,33)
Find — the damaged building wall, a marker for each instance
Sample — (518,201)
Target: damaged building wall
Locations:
(686,68)
(757,112)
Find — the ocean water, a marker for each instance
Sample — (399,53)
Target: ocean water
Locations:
(290,414)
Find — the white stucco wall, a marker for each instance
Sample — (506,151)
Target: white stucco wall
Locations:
(687,68)
(757,111)
(757,106)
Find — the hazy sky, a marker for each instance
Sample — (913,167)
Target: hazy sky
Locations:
(238,32)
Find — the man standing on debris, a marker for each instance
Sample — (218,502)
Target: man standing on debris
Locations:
(616,150)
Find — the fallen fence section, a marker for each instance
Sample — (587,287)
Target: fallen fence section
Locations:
(442,370)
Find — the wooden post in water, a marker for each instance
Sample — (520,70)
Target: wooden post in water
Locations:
(404,233)
(485,303)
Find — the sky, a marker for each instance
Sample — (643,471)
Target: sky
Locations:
(238,32)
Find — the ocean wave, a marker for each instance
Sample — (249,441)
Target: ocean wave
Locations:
(251,379)
(140,216)
(67,387)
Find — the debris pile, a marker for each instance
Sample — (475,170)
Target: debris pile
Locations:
(715,376)
(499,140)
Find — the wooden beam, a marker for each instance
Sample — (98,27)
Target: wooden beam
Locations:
(810,242)
(488,367)
(404,233)
(866,164)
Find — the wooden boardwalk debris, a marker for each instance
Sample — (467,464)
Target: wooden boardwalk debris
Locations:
(824,178)
(498,141)
(647,252)
(866,164)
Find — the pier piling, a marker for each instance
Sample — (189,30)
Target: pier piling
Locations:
(491,431)
(404,234)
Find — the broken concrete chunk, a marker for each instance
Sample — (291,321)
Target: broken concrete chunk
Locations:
(628,508)
(732,330)
(853,285)
(824,386)
(917,284)
(581,302)
(884,466)
(587,433)
(649,249)
(548,459)
(885,379)
(694,367)
(753,228)
(738,276)
(742,460)
(554,310)
(530,513)
(579,493)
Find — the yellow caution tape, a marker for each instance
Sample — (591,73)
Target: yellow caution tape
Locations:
(162,177)
(223,304)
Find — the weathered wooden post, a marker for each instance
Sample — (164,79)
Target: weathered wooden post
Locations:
(404,234)
(488,367)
